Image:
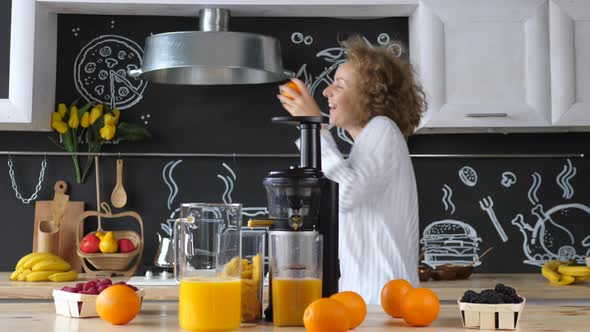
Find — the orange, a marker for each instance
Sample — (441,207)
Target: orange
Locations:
(118,304)
(326,315)
(392,294)
(420,307)
(357,308)
(293,86)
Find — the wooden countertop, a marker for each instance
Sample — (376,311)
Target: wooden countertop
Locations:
(530,285)
(163,316)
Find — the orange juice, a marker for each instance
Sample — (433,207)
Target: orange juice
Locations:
(209,304)
(290,297)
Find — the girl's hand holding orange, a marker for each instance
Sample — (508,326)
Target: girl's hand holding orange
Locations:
(296,99)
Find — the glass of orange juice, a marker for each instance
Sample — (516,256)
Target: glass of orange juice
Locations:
(208,263)
(296,274)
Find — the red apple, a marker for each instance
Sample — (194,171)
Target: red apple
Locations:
(125,245)
(89,243)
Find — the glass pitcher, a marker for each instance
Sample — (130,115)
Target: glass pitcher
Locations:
(207,256)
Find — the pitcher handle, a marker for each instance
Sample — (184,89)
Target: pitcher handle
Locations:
(178,244)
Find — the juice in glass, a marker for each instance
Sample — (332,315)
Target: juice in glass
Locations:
(209,304)
(290,297)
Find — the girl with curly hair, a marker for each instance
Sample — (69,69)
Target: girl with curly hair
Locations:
(376,98)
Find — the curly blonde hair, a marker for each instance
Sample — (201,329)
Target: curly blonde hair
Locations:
(386,85)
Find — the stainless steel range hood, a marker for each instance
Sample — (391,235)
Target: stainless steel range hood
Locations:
(212,55)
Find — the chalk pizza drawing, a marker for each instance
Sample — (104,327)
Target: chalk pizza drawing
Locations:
(229,182)
(555,233)
(468,176)
(563,180)
(446,199)
(334,56)
(100,71)
(487,205)
(450,242)
(508,179)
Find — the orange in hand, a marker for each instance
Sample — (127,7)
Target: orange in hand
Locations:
(118,304)
(392,295)
(326,315)
(420,307)
(293,86)
(357,308)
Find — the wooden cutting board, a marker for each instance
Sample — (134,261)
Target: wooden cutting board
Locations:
(67,229)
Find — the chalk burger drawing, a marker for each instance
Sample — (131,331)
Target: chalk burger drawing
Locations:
(450,242)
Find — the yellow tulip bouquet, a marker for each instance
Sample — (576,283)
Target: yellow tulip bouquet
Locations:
(94,125)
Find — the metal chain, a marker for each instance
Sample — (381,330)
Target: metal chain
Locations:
(37,187)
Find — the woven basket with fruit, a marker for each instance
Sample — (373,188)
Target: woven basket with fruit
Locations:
(498,308)
(110,252)
(86,300)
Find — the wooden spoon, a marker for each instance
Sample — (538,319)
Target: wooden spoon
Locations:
(119,196)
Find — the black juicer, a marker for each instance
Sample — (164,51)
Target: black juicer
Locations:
(301,198)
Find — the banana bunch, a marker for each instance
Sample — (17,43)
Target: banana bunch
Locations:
(43,266)
(561,273)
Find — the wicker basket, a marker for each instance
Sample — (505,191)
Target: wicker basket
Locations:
(491,316)
(95,264)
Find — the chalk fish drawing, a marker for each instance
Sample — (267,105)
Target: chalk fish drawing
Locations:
(334,56)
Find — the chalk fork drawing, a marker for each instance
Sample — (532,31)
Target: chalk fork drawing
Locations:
(446,200)
(450,242)
(563,180)
(468,176)
(229,183)
(100,71)
(487,205)
(508,179)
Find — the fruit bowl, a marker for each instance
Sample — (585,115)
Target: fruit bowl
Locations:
(95,264)
(114,261)
(491,316)
(78,305)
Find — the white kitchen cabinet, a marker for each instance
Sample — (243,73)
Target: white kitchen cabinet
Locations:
(484,64)
(570,62)
(31,87)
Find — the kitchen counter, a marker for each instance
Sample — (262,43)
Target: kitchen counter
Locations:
(530,285)
(163,316)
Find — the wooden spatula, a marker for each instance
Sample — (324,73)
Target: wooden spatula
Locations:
(60,201)
(119,196)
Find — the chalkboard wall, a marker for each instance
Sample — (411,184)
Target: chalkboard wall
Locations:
(526,208)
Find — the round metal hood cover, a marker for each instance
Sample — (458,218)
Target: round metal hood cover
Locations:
(211,58)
